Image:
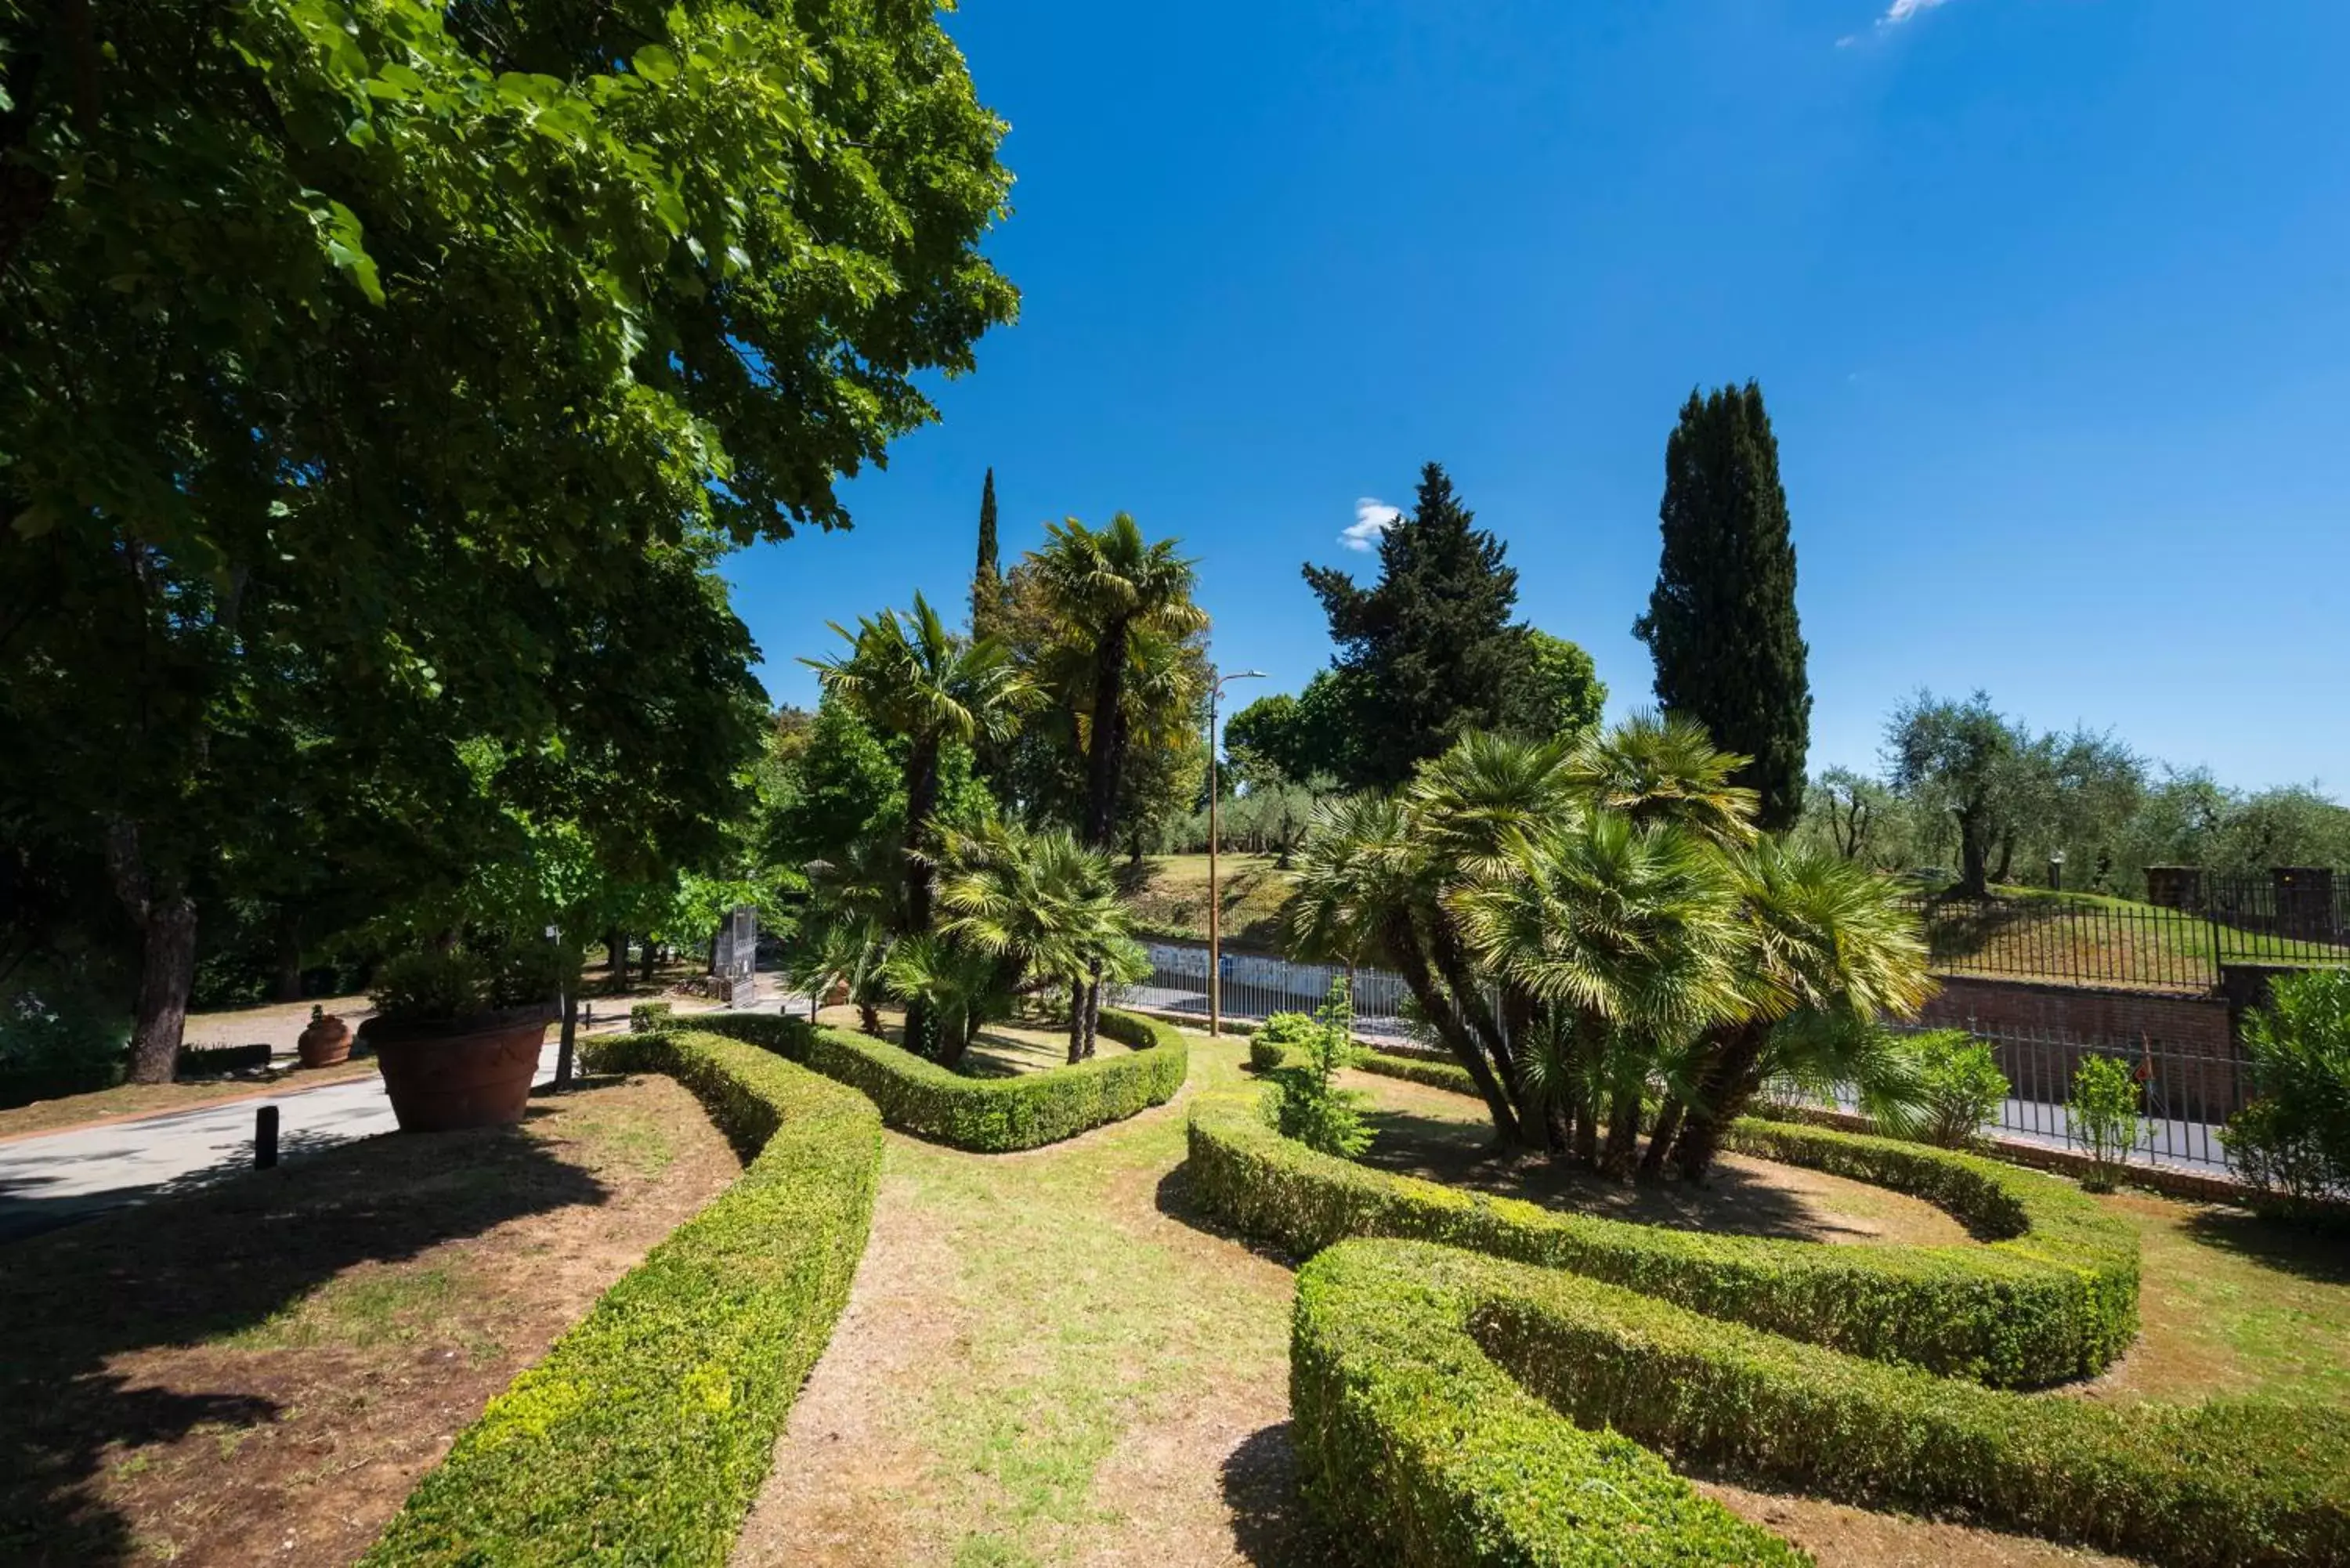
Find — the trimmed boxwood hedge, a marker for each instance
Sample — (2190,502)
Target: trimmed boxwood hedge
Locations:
(983,1115)
(2053,1295)
(2223,1483)
(1414,1444)
(644,1434)
(1264,1056)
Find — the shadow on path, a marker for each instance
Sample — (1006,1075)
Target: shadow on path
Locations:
(201,1267)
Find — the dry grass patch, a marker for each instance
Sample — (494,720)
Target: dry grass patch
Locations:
(263,1370)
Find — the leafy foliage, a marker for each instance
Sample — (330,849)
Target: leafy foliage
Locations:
(2223,1482)
(1429,650)
(1303,1101)
(687,1367)
(2051,1296)
(1721,622)
(2293,1142)
(1964,1087)
(985,1115)
(2103,1113)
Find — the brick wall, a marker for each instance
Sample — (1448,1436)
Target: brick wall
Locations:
(2195,1022)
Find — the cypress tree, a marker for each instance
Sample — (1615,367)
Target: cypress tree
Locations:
(1721,623)
(987,578)
(1429,650)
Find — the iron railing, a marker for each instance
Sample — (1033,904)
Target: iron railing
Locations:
(2187,1093)
(2191,925)
(1258,985)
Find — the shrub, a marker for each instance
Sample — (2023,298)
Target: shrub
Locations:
(432,986)
(2222,1483)
(1273,1039)
(644,1434)
(1412,1444)
(986,1115)
(1963,1087)
(2291,1144)
(653,1017)
(218,1060)
(2103,1113)
(1305,1101)
(2054,1296)
(55,1042)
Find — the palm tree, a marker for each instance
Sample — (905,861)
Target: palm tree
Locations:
(1111,587)
(958,988)
(912,677)
(1040,905)
(1657,770)
(1627,934)
(1825,950)
(857,899)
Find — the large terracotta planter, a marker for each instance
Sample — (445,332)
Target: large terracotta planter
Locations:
(475,1074)
(327,1042)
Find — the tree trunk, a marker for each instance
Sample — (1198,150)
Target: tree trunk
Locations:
(289,956)
(1660,1140)
(167,972)
(1975,871)
(615,954)
(1076,1019)
(1093,1008)
(1622,1134)
(1721,1098)
(868,1018)
(1105,755)
(653,951)
(2006,856)
(564,1050)
(1403,946)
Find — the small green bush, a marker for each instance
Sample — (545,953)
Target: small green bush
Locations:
(985,1115)
(2291,1144)
(1963,1087)
(1303,1101)
(58,1042)
(2053,1295)
(219,1061)
(651,1017)
(2103,1111)
(644,1434)
(437,986)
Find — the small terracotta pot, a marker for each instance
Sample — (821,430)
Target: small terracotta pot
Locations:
(474,1074)
(327,1042)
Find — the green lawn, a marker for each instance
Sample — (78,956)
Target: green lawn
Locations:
(1170,899)
(2034,933)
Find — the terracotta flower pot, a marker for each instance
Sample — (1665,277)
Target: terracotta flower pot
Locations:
(475,1073)
(327,1042)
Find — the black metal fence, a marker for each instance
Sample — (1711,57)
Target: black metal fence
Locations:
(2191,923)
(2187,1093)
(1258,985)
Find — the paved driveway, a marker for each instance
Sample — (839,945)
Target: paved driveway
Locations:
(62,1177)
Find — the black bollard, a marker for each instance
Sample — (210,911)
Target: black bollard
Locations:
(264,1138)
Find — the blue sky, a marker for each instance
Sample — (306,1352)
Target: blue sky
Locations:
(2050,299)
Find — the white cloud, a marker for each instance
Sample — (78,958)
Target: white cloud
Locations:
(1373,517)
(1900,11)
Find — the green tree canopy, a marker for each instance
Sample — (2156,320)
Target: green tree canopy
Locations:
(380,378)
(1721,623)
(1429,649)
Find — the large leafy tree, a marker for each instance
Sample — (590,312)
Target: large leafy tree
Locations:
(1721,621)
(390,352)
(1429,651)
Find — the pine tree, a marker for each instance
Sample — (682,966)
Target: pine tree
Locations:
(1429,650)
(987,578)
(1721,623)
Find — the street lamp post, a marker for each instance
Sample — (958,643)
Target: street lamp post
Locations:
(1215,910)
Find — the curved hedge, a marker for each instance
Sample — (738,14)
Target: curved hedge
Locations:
(2053,1297)
(982,1116)
(1414,1444)
(644,1434)
(1446,1405)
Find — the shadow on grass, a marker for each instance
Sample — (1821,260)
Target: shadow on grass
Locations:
(2318,1251)
(1732,1199)
(1270,1522)
(197,1268)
